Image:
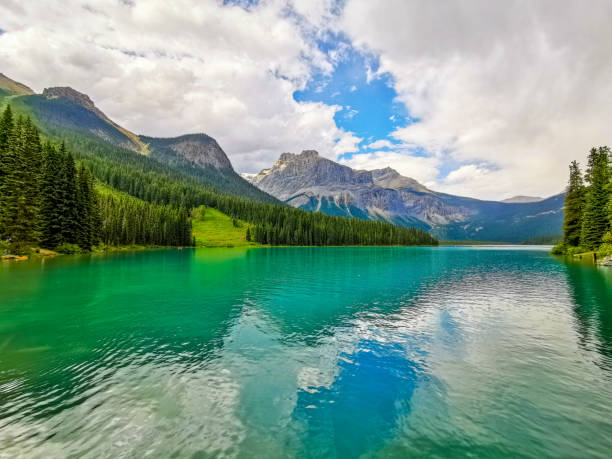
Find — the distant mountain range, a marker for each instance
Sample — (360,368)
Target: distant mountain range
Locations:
(63,112)
(310,182)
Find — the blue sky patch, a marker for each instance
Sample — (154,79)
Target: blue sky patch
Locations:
(369,109)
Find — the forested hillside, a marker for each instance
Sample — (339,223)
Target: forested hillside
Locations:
(47,201)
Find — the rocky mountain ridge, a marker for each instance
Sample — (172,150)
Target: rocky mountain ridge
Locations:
(199,150)
(67,107)
(311,182)
(127,140)
(63,112)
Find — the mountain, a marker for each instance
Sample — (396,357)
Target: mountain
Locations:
(65,113)
(522,199)
(12,87)
(198,150)
(310,182)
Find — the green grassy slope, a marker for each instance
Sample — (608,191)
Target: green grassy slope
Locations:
(215,229)
(211,228)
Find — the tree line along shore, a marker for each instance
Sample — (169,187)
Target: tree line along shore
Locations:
(587,222)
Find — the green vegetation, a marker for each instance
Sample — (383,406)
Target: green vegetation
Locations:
(212,228)
(165,193)
(46,201)
(131,221)
(299,227)
(587,221)
(546,239)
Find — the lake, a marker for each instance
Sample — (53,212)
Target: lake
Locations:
(306,352)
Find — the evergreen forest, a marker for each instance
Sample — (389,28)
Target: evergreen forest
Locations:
(587,222)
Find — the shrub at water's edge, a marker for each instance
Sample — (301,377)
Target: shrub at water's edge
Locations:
(587,224)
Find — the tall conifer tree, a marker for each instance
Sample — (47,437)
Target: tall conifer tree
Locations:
(51,198)
(574,206)
(68,187)
(6,130)
(596,221)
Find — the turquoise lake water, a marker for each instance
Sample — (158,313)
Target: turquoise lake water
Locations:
(306,352)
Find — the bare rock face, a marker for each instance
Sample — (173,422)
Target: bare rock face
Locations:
(195,149)
(201,150)
(73,95)
(308,173)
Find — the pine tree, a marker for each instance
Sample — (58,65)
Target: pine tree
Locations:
(248,234)
(6,165)
(51,198)
(595,221)
(85,209)
(68,187)
(31,173)
(574,206)
(6,127)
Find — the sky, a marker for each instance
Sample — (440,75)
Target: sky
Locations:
(471,97)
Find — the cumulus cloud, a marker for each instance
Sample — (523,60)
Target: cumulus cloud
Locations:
(167,68)
(522,86)
(381,143)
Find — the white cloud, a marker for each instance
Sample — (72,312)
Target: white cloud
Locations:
(424,169)
(509,92)
(522,86)
(381,143)
(167,68)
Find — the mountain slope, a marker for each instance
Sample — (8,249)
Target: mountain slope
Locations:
(12,87)
(310,182)
(194,149)
(59,109)
(64,113)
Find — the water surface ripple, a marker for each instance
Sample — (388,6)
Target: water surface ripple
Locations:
(306,352)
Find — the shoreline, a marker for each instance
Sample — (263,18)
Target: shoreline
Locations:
(42,254)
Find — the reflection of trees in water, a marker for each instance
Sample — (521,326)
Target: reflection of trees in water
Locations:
(592,294)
